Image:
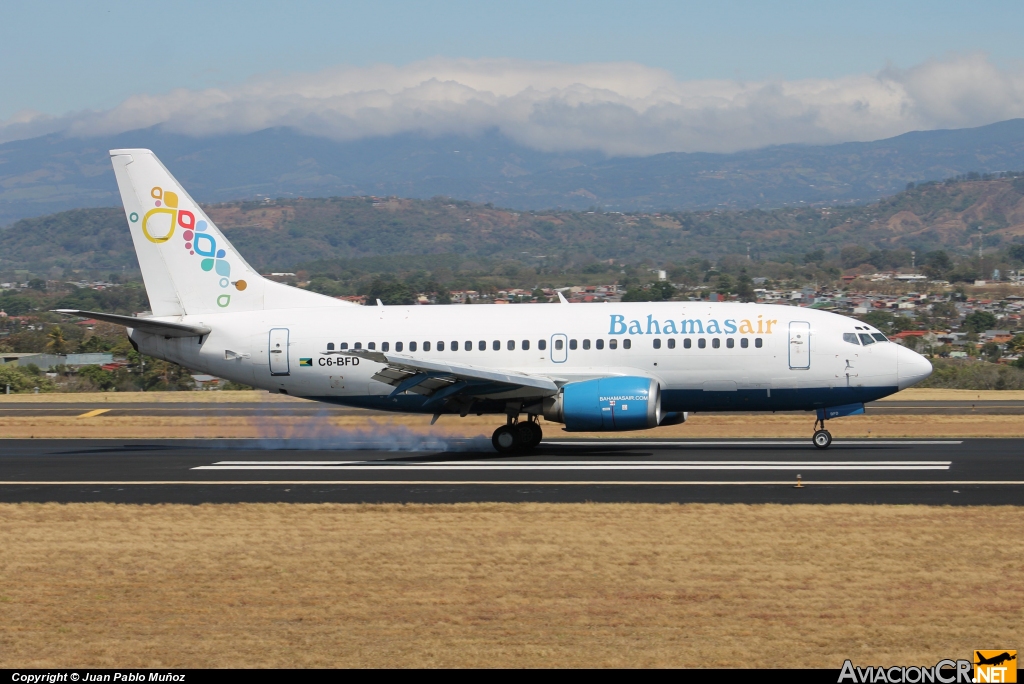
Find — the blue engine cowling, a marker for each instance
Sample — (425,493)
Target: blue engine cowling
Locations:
(607,404)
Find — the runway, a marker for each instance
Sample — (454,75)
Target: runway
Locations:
(955,472)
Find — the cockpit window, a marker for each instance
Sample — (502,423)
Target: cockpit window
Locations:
(866,339)
(880,337)
(851,338)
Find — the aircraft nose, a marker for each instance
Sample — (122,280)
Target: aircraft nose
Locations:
(911,367)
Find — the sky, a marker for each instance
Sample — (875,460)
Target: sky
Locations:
(624,77)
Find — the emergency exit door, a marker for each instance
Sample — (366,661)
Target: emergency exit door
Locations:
(799,345)
(279,351)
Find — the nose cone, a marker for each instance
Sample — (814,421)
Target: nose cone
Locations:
(911,367)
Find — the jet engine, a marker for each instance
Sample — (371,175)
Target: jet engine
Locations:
(606,405)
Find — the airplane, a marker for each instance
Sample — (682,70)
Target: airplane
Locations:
(589,367)
(994,660)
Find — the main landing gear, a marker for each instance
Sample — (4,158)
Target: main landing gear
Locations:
(822,438)
(517,435)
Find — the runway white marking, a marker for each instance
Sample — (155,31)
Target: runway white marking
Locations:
(775,442)
(517,483)
(578,465)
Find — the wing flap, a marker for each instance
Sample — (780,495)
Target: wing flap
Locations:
(400,368)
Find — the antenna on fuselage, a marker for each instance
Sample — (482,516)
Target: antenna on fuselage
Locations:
(380,303)
(561,297)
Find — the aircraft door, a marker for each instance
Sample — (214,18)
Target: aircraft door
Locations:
(799,345)
(559,348)
(279,351)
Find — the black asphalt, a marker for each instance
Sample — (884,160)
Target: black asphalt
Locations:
(974,472)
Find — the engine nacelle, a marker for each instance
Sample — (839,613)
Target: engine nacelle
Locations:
(606,404)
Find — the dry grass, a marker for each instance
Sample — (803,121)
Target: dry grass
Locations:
(104,585)
(700,426)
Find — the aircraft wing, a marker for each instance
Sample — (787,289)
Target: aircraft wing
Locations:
(442,379)
(146,325)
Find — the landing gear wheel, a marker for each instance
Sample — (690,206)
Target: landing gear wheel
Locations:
(822,438)
(506,439)
(530,434)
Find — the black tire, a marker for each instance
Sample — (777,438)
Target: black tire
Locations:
(822,439)
(530,434)
(506,440)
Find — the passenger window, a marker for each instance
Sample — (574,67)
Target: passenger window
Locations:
(330,346)
(672,343)
(468,346)
(880,337)
(586,344)
(702,343)
(496,345)
(357,345)
(730,342)
(440,345)
(558,345)
(511,345)
(343,345)
(627,343)
(657,343)
(613,344)
(757,342)
(455,345)
(371,345)
(385,346)
(482,345)
(426,346)
(716,343)
(600,344)
(686,343)
(851,338)
(744,343)
(572,344)
(526,345)
(542,344)
(412,346)
(866,339)
(398,346)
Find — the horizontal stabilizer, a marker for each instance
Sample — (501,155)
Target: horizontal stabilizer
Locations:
(146,325)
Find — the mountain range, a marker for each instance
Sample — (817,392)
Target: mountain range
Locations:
(55,173)
(291,234)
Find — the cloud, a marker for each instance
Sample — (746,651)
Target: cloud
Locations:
(617,108)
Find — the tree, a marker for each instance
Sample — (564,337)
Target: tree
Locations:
(390,292)
(57,343)
(745,288)
(979,321)
(104,380)
(1016,252)
(815,257)
(1016,345)
(937,264)
(991,351)
(854,255)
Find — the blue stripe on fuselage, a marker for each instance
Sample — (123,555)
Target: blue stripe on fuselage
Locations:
(695,400)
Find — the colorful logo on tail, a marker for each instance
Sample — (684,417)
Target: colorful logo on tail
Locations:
(160,223)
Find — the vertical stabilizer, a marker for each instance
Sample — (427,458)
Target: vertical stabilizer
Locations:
(188,266)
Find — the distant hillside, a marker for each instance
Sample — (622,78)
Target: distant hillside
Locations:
(287,233)
(52,173)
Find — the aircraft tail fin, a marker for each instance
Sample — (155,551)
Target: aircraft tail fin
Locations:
(189,267)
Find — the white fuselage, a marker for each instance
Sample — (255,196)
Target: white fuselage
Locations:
(705,356)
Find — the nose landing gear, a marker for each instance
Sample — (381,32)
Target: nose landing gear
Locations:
(517,436)
(822,438)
